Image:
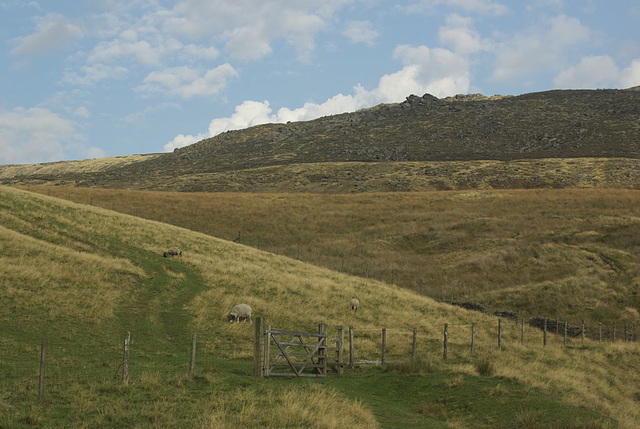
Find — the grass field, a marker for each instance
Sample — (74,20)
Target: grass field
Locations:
(560,253)
(81,276)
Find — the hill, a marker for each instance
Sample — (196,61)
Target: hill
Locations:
(560,253)
(80,276)
(421,143)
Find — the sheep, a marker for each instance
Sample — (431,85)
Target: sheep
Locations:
(173,251)
(240,312)
(355,303)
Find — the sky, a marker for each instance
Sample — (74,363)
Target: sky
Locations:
(94,78)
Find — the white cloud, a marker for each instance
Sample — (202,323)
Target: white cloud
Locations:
(458,34)
(360,32)
(471,6)
(186,82)
(93,73)
(437,71)
(599,72)
(52,31)
(35,135)
(539,48)
(82,112)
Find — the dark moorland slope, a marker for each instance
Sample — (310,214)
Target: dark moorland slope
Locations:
(560,124)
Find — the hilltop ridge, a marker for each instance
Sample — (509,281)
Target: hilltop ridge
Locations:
(557,124)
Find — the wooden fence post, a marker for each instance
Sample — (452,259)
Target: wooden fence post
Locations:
(499,334)
(340,350)
(322,350)
(564,341)
(192,364)
(614,331)
(258,348)
(445,354)
(522,331)
(544,336)
(267,349)
(125,358)
(600,331)
(625,332)
(351,366)
(473,337)
(584,331)
(384,346)
(42,355)
(414,344)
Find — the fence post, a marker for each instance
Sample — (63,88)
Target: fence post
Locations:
(583,332)
(351,347)
(499,334)
(384,346)
(125,358)
(564,341)
(614,331)
(192,364)
(340,349)
(522,331)
(445,354)
(625,331)
(635,332)
(473,337)
(600,331)
(258,348)
(322,350)
(42,355)
(414,344)
(544,336)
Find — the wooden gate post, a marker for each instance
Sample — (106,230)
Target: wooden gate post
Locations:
(499,334)
(384,346)
(625,331)
(340,350)
(564,341)
(125,358)
(445,353)
(544,336)
(258,348)
(322,349)
(522,331)
(584,331)
(414,344)
(42,354)
(351,347)
(614,330)
(599,331)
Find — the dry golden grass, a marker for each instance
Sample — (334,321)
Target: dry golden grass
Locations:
(565,253)
(296,295)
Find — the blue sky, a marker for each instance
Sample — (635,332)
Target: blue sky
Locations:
(85,79)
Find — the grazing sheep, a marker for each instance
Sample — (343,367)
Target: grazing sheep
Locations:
(240,312)
(173,251)
(355,303)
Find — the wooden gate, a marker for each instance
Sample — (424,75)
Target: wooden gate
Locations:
(280,353)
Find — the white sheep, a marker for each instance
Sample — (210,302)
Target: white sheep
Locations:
(240,312)
(355,303)
(173,251)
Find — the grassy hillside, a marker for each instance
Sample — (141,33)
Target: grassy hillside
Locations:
(80,276)
(556,253)
(422,143)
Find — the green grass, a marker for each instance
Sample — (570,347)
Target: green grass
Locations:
(81,276)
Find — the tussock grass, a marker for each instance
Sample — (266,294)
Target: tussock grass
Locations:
(567,253)
(164,300)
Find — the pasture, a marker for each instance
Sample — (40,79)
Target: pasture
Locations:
(80,276)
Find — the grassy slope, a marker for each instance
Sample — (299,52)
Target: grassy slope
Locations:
(558,253)
(81,276)
(343,177)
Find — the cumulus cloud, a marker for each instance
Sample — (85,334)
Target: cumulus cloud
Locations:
(458,34)
(471,6)
(38,135)
(91,74)
(539,48)
(52,31)
(438,71)
(360,32)
(599,72)
(187,82)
